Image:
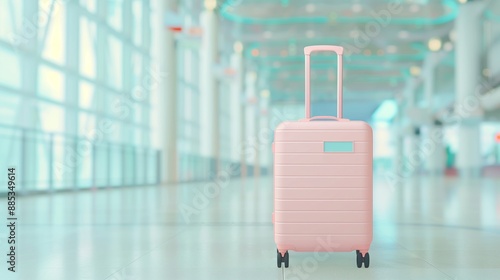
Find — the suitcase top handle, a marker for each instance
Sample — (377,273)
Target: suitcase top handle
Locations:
(339,51)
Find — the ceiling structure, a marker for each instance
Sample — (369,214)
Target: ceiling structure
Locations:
(386,42)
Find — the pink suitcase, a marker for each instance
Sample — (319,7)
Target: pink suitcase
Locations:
(323,180)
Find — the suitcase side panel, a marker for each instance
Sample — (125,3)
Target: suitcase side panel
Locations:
(321,194)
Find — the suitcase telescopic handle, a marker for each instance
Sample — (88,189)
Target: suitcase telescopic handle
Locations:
(339,51)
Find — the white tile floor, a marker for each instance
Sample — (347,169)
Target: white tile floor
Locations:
(426,229)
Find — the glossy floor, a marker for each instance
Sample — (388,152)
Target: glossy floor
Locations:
(427,228)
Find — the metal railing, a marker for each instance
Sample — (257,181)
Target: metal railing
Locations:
(57,161)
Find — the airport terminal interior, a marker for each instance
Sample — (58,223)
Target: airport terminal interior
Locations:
(136,135)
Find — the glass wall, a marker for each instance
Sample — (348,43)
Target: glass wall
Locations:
(75,83)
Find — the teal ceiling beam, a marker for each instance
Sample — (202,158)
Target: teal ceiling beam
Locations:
(381,58)
(366,79)
(451,4)
(317,66)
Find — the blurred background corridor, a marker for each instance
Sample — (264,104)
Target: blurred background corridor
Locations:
(141,133)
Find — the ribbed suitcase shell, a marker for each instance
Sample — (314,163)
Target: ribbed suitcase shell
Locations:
(323,200)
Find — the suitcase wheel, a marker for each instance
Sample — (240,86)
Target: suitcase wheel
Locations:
(360,259)
(282,259)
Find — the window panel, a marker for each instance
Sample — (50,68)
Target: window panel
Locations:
(52,35)
(137,113)
(50,83)
(137,136)
(137,69)
(87,48)
(137,26)
(86,124)
(90,5)
(115,64)
(51,117)
(11,21)
(115,11)
(11,75)
(9,106)
(86,96)
(85,166)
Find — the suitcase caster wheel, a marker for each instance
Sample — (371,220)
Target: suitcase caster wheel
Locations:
(360,259)
(286,259)
(282,259)
(279,258)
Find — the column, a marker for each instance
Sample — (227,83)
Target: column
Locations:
(237,109)
(468,27)
(265,133)
(71,125)
(399,134)
(258,143)
(28,112)
(432,143)
(209,96)
(493,61)
(250,142)
(167,63)
(411,165)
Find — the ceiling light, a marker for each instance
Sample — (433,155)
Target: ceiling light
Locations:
(448,46)
(434,44)
(453,35)
(391,49)
(310,8)
(354,33)
(310,33)
(414,8)
(357,8)
(210,4)
(462,1)
(403,34)
(252,75)
(255,52)
(415,71)
(265,93)
(238,47)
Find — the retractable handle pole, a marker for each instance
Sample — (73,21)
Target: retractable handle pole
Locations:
(339,51)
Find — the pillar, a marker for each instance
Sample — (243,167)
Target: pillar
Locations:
(167,63)
(468,27)
(432,142)
(237,109)
(265,133)
(411,139)
(250,142)
(209,97)
(399,134)
(493,61)
(258,142)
